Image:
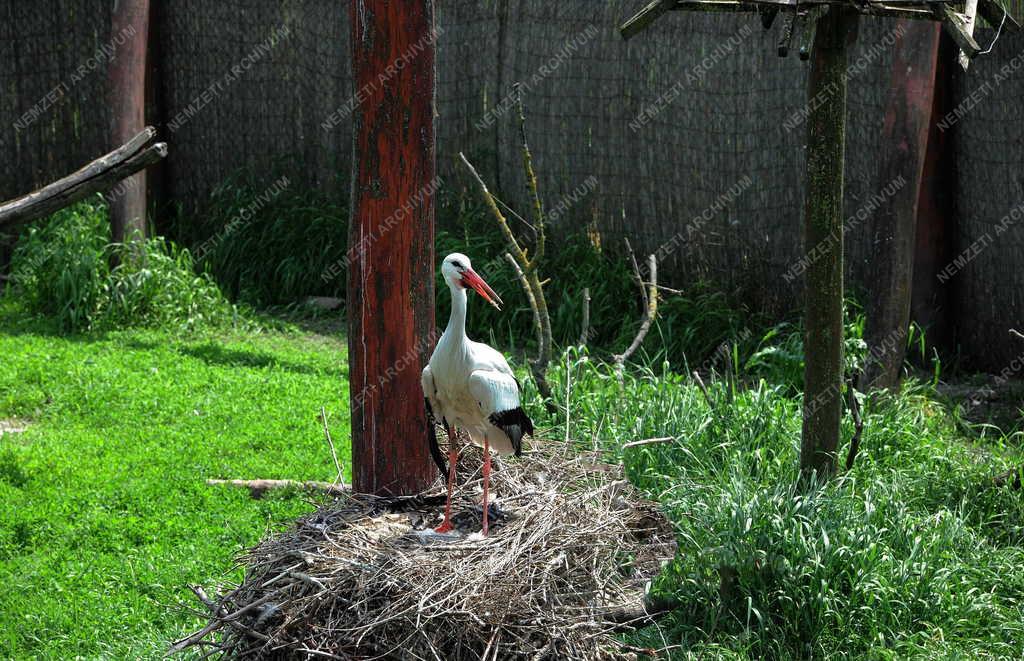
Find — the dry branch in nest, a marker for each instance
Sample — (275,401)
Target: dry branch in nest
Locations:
(563,571)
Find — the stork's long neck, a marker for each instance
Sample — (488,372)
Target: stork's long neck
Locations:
(457,321)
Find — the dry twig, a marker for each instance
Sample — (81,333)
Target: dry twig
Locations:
(648,441)
(858,425)
(703,390)
(527,268)
(650,312)
(330,444)
(585,329)
(258,487)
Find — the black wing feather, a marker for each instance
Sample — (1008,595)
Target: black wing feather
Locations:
(516,424)
(435,449)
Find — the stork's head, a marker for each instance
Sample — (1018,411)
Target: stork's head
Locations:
(458,273)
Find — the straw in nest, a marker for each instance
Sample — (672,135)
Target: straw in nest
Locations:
(565,568)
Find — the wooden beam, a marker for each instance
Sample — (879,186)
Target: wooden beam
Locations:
(98,176)
(903,143)
(823,243)
(786,32)
(810,26)
(970,15)
(391,276)
(921,10)
(955,26)
(645,17)
(127,72)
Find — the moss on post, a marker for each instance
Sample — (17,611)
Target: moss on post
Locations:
(823,243)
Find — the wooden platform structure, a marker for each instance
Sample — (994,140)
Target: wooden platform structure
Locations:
(824,29)
(799,17)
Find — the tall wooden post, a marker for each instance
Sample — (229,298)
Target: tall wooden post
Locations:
(391,243)
(823,241)
(936,214)
(904,142)
(127,71)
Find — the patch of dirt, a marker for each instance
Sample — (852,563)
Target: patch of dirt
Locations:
(987,399)
(12,426)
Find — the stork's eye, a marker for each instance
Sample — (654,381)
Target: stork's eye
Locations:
(457,265)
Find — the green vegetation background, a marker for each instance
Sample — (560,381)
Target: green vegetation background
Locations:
(139,383)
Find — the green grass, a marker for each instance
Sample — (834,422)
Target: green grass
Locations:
(911,554)
(106,517)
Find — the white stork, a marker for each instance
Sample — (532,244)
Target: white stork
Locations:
(469,385)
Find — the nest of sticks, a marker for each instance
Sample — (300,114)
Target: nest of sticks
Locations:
(564,571)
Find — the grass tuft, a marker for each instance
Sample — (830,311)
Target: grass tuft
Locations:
(61,268)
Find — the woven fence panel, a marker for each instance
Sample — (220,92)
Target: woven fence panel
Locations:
(54,115)
(989,136)
(691,134)
(687,139)
(248,86)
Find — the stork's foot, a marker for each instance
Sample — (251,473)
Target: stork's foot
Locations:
(445,527)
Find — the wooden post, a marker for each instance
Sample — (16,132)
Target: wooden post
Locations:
(391,243)
(936,217)
(904,142)
(823,241)
(128,105)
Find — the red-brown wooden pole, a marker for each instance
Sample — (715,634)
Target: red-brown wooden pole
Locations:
(936,219)
(391,243)
(904,142)
(127,71)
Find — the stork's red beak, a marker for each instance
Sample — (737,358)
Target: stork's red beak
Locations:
(470,278)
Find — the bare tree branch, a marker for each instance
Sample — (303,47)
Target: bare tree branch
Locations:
(651,313)
(99,175)
(258,487)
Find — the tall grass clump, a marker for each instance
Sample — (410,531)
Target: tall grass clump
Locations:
(268,241)
(61,268)
(779,355)
(913,552)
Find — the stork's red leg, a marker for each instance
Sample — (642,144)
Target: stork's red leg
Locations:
(487,478)
(453,458)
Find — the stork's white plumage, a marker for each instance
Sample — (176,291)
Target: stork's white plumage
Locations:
(469,385)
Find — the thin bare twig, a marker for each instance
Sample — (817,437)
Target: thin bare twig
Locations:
(568,393)
(585,329)
(531,183)
(530,267)
(1016,333)
(858,425)
(637,278)
(506,231)
(258,487)
(651,313)
(703,389)
(648,441)
(525,284)
(330,443)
